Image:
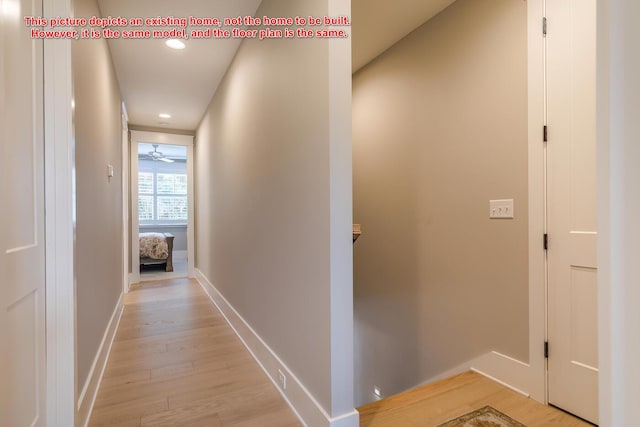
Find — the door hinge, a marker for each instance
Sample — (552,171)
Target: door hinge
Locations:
(544,133)
(544,26)
(546,349)
(545,241)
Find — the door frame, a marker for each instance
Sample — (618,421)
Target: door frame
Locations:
(60,220)
(537,200)
(125,201)
(163,139)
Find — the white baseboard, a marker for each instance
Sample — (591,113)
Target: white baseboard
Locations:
(134,278)
(505,370)
(89,392)
(301,401)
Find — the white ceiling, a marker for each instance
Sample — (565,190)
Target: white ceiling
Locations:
(155,79)
(376,25)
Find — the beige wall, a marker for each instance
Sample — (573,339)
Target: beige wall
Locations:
(267,154)
(439,129)
(99,201)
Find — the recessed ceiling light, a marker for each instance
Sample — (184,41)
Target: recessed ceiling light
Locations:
(164,116)
(175,44)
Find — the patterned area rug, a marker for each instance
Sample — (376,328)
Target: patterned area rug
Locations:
(485,417)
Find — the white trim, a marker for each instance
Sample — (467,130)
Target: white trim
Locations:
(532,376)
(134,276)
(160,138)
(301,401)
(143,226)
(191,222)
(87,397)
(505,370)
(125,200)
(169,139)
(60,226)
(609,379)
(498,367)
(484,374)
(341,346)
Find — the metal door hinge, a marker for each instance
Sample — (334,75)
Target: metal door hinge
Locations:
(545,134)
(545,241)
(544,26)
(546,349)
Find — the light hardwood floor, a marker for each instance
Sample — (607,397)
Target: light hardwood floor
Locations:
(175,361)
(434,404)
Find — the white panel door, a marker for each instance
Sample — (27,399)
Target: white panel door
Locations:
(22,281)
(571,186)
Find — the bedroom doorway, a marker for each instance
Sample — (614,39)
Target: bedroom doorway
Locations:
(162,238)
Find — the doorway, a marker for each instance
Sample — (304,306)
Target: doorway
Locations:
(162,238)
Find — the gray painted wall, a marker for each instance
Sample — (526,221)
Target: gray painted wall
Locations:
(439,129)
(268,151)
(99,201)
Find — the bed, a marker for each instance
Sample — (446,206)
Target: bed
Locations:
(156,248)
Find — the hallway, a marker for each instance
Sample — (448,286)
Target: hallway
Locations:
(175,361)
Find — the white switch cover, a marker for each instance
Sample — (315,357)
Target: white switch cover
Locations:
(501,208)
(109,171)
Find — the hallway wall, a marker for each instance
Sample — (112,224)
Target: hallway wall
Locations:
(439,129)
(99,200)
(273,215)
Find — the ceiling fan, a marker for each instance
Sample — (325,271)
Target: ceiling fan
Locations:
(157,155)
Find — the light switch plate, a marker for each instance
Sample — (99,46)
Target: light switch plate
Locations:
(501,209)
(109,171)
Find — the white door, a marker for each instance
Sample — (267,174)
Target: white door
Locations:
(571,210)
(22,290)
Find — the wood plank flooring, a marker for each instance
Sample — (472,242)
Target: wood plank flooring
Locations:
(175,361)
(436,403)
